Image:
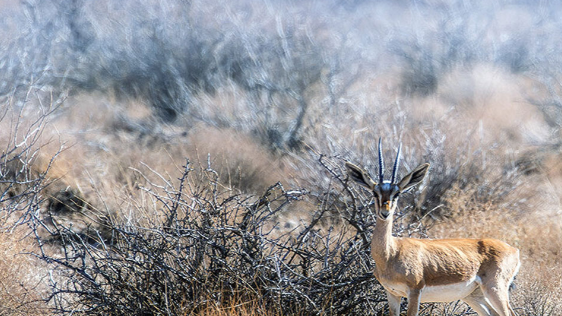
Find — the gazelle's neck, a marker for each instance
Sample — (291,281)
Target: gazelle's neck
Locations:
(383,244)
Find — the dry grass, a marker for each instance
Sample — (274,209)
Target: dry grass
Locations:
(240,161)
(22,285)
(243,307)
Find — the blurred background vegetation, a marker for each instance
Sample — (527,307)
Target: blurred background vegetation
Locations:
(103,101)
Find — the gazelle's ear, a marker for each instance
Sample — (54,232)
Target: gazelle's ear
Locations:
(413,178)
(360,176)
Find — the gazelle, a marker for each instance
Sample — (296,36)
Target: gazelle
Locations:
(476,271)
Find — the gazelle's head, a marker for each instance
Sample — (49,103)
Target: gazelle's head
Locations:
(386,192)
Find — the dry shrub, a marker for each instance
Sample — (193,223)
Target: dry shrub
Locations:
(534,298)
(540,281)
(547,162)
(109,153)
(209,244)
(243,308)
(241,162)
(488,95)
(103,143)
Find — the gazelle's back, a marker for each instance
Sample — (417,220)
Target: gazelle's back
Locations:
(450,260)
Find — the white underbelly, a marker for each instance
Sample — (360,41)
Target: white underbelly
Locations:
(449,292)
(437,293)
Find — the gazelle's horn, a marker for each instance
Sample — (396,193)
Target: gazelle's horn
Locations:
(396,164)
(381,163)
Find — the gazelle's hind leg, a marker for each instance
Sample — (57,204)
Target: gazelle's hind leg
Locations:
(498,297)
(495,287)
(478,303)
(511,311)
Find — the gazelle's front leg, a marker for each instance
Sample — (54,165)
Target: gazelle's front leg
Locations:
(414,302)
(393,304)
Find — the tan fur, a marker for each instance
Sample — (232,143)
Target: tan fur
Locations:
(477,271)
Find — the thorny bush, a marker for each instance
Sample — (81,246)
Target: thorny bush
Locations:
(20,186)
(207,246)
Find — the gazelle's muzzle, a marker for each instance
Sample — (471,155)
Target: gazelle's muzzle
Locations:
(385,209)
